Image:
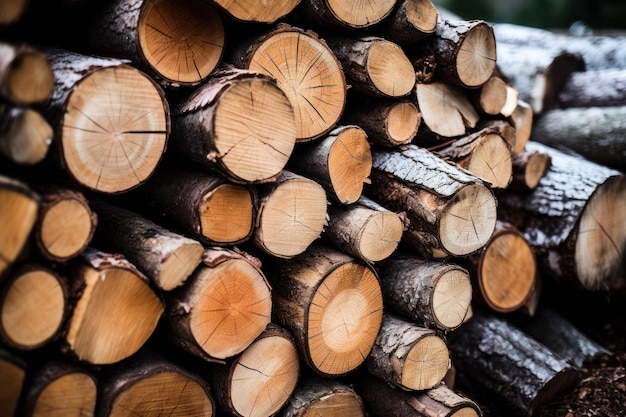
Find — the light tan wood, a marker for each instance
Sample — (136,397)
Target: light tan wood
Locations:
(12,11)
(261,12)
(71,395)
(491,97)
(25,74)
(528,168)
(317,396)
(12,375)
(523,118)
(25,136)
(512,98)
(346,14)
(410,22)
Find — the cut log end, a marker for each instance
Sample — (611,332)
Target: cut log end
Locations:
(390,70)
(226,214)
(28,139)
(446,110)
(493,96)
(451,298)
(476,57)
(65,229)
(403,122)
(259,12)
(349,164)
(523,118)
(491,160)
(71,394)
(423,15)
(528,168)
(380,236)
(115,130)
(179,265)
(18,213)
(193,29)
(29,79)
(367,14)
(426,363)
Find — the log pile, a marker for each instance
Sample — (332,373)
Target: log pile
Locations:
(288,208)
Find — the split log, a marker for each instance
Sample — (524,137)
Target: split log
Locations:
(222,307)
(344,14)
(596,133)
(385,400)
(115,311)
(502,359)
(148,384)
(59,389)
(111,121)
(504,128)
(451,211)
(433,294)
(65,223)
(523,118)
(259,381)
(409,22)
(10,13)
(491,97)
(147,32)
(574,220)
(166,257)
(34,302)
(18,213)
(317,396)
(257,12)
(583,89)
(12,375)
(239,123)
(332,304)
(307,71)
(25,74)
(408,356)
(341,162)
(374,66)
(528,168)
(25,136)
(364,229)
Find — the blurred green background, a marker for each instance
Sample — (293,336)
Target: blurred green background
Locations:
(551,14)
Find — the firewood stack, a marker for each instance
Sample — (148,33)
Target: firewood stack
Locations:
(287,207)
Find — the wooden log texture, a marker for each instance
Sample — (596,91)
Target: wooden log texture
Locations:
(25,74)
(12,375)
(343,14)
(239,123)
(582,89)
(528,168)
(409,22)
(12,11)
(491,97)
(259,12)
(523,118)
(25,136)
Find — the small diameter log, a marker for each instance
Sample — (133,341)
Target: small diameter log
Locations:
(408,356)
(317,396)
(208,206)
(25,136)
(65,224)
(491,98)
(33,306)
(374,66)
(451,211)
(523,117)
(178,44)
(111,121)
(344,14)
(222,307)
(596,133)
(596,88)
(502,359)
(485,154)
(528,168)
(512,97)
(148,384)
(364,229)
(434,294)
(59,389)
(259,381)
(116,310)
(389,401)
(12,375)
(239,123)
(291,214)
(257,12)
(575,221)
(341,162)
(386,122)
(166,257)
(410,22)
(18,213)
(305,69)
(10,13)
(503,272)
(25,74)
(332,304)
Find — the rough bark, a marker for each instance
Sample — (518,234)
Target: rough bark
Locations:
(25,74)
(25,136)
(594,88)
(344,14)
(410,22)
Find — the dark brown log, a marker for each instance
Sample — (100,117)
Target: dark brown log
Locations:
(451,211)
(222,307)
(12,375)
(12,11)
(25,136)
(595,88)
(344,14)
(25,74)
(528,168)
(574,220)
(434,294)
(407,355)
(410,22)
(111,121)
(331,303)
(502,359)
(259,12)
(239,123)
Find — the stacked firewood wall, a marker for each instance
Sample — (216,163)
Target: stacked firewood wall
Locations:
(305,207)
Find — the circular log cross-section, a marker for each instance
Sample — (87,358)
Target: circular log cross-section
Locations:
(491,97)
(25,136)
(25,74)
(260,11)
(528,168)
(410,22)
(317,396)
(345,14)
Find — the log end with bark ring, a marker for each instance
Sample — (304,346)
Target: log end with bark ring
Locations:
(71,394)
(426,363)
(403,122)
(491,160)
(476,56)
(181,42)
(451,298)
(28,139)
(492,96)
(260,12)
(423,15)
(349,163)
(367,14)
(380,236)
(29,78)
(115,129)
(227,214)
(390,70)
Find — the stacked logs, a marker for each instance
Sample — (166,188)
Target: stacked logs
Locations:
(281,208)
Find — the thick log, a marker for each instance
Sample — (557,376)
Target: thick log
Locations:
(307,71)
(12,375)
(451,211)
(410,22)
(115,310)
(434,294)
(292,213)
(583,89)
(25,136)
(257,12)
(374,66)
(34,303)
(364,229)
(239,123)
(166,257)
(344,14)
(502,359)
(25,74)
(596,133)
(222,307)
(408,356)
(332,304)
(259,381)
(111,121)
(528,168)
(341,162)
(148,384)
(574,220)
